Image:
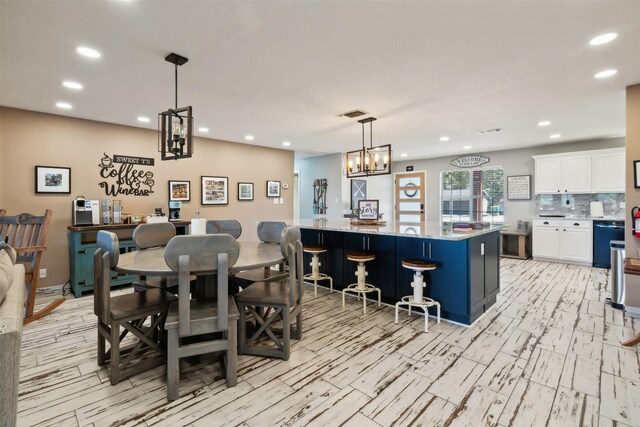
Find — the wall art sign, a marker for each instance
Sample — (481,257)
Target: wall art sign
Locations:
(122,175)
(469,161)
(53,179)
(519,187)
(368,209)
(215,190)
(245,191)
(273,188)
(179,191)
(358,192)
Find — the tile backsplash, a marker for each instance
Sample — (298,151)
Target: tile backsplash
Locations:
(578,204)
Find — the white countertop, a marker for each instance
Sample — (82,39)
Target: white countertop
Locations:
(429,229)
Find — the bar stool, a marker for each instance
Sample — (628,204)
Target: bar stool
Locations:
(417,299)
(361,287)
(315,274)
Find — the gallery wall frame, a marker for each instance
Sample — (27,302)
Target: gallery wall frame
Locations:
(52,180)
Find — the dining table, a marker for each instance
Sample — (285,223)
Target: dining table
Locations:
(150,262)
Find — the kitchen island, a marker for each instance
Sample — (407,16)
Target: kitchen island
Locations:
(465,282)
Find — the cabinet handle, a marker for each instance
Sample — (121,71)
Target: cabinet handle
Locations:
(423,249)
(556,229)
(430,254)
(82,252)
(558,191)
(368,243)
(482,249)
(576,224)
(322,238)
(565,191)
(364,245)
(546,223)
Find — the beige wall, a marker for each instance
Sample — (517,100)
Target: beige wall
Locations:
(29,138)
(632,244)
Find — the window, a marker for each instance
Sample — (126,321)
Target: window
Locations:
(475,195)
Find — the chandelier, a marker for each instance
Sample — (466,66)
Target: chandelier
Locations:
(175,126)
(369,161)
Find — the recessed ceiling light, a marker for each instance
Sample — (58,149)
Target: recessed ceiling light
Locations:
(72,85)
(403,154)
(605,73)
(144,119)
(602,39)
(88,52)
(444,138)
(286,143)
(467,147)
(249,137)
(203,130)
(544,123)
(555,136)
(64,105)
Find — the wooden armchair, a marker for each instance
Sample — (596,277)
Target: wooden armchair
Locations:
(27,234)
(226,226)
(267,303)
(201,254)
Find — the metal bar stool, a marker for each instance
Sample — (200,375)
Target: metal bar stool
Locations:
(315,274)
(417,299)
(361,287)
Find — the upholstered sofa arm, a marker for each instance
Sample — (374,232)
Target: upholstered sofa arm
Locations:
(11,317)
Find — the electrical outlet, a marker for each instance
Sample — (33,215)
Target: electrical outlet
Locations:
(43,273)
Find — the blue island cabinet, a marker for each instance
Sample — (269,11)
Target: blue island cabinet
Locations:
(447,284)
(382,270)
(332,261)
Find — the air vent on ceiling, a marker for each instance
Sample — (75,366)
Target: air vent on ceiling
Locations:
(489,131)
(353,114)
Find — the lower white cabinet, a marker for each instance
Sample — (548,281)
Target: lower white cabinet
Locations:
(563,240)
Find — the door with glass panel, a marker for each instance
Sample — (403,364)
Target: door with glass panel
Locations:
(410,189)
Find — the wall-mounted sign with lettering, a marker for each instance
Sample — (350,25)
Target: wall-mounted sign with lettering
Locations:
(469,161)
(122,175)
(519,187)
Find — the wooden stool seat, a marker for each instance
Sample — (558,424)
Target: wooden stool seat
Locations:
(314,249)
(315,274)
(360,256)
(418,264)
(361,288)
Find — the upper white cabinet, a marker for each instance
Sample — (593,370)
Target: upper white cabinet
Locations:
(596,171)
(607,172)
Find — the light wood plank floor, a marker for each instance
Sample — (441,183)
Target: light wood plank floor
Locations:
(548,353)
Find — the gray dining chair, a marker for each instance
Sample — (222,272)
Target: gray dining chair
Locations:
(227,226)
(266,233)
(124,315)
(269,302)
(201,254)
(153,235)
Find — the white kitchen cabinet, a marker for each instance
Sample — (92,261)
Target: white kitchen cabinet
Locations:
(607,171)
(563,240)
(563,174)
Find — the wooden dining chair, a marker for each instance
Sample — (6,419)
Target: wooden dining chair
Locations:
(226,226)
(153,235)
(27,234)
(201,254)
(125,315)
(266,233)
(269,302)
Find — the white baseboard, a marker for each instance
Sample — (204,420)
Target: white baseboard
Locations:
(632,311)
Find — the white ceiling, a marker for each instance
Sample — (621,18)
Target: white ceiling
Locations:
(283,70)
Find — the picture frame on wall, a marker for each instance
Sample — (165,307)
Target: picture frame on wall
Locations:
(519,187)
(368,210)
(636,174)
(273,188)
(245,191)
(179,191)
(52,180)
(214,190)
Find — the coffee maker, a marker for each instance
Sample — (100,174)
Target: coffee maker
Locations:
(174,211)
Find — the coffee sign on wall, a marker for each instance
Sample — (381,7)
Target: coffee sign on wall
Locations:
(126,175)
(469,161)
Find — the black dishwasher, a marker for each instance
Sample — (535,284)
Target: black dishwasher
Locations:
(603,233)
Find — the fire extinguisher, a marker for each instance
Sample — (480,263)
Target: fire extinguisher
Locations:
(635,217)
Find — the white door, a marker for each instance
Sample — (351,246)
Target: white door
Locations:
(546,242)
(576,244)
(548,176)
(410,197)
(576,174)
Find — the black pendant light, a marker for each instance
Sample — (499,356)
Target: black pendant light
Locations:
(175,126)
(369,161)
